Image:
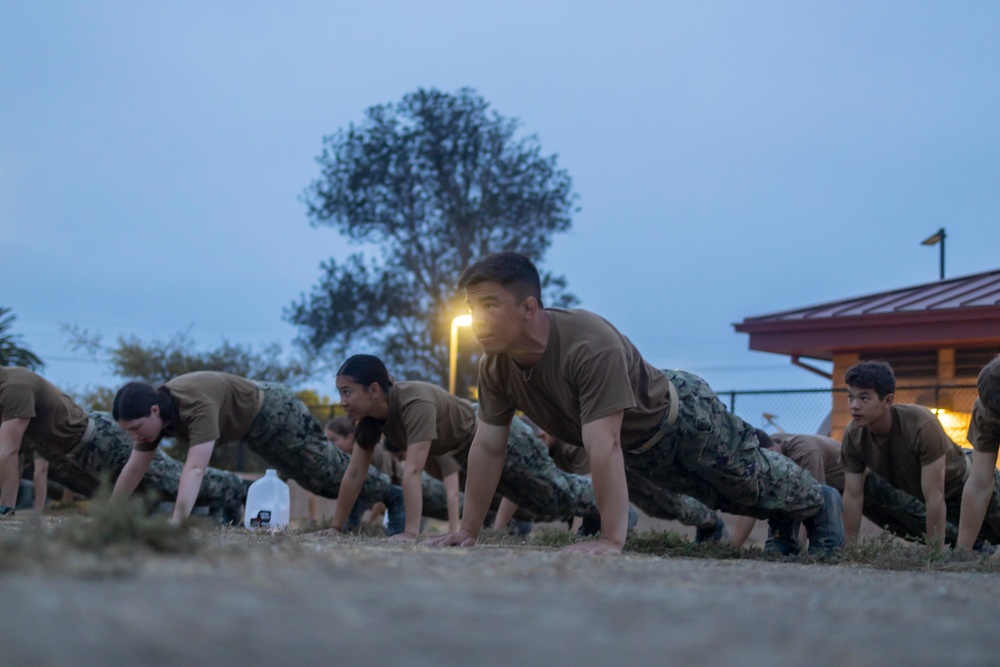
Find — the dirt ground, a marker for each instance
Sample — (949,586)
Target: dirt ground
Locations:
(305,599)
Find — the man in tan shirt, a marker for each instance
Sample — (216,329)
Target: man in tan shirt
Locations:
(905,445)
(645,429)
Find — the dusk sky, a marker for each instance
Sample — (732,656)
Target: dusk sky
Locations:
(731,159)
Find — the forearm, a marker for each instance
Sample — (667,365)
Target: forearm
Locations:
(451,486)
(350,488)
(187,491)
(975,500)
(611,494)
(741,531)
(852,516)
(129,479)
(936,516)
(413,501)
(504,513)
(483,477)
(41,481)
(9,469)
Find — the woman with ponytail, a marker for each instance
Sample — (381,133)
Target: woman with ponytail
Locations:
(427,421)
(206,408)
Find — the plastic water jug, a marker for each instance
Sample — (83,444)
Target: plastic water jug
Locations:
(267,503)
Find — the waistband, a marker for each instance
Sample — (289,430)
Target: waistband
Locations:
(665,424)
(88,435)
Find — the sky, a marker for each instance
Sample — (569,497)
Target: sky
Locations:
(732,159)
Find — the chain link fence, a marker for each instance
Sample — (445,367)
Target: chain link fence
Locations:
(825,411)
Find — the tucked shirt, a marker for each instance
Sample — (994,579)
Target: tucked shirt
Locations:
(818,454)
(57,423)
(916,440)
(589,370)
(421,412)
(984,429)
(210,406)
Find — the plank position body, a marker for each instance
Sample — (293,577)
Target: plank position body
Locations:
(206,408)
(905,445)
(886,506)
(428,422)
(646,430)
(981,496)
(82,448)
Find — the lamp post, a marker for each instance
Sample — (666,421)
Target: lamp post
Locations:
(934,239)
(460,321)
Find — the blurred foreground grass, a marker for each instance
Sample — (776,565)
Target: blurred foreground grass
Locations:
(108,538)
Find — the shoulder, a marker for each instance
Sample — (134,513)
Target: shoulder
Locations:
(915,415)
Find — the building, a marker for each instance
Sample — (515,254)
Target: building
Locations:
(937,336)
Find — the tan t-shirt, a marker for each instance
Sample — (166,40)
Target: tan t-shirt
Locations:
(440,467)
(818,454)
(421,411)
(589,370)
(387,463)
(57,423)
(984,429)
(915,441)
(211,406)
(571,458)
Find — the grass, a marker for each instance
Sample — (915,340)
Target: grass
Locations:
(109,533)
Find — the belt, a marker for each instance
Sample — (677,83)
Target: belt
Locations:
(87,435)
(665,424)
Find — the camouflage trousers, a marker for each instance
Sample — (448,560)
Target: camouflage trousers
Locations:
(289,438)
(531,480)
(713,456)
(905,516)
(102,454)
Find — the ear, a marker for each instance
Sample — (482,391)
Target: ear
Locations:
(530,306)
(154,411)
(889,398)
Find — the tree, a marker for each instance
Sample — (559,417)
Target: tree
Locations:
(12,353)
(436,181)
(157,361)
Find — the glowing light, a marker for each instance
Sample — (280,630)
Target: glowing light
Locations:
(459,321)
(955,425)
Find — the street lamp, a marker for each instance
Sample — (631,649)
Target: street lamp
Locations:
(934,239)
(460,321)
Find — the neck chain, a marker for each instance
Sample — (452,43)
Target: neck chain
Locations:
(526,374)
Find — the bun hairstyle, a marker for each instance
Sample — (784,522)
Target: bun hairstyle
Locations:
(367,369)
(135,400)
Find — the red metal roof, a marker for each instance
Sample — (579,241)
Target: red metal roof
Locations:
(958,312)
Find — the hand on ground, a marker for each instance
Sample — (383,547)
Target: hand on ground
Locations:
(593,548)
(403,537)
(462,538)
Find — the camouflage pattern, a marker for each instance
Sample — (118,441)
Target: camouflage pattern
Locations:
(657,502)
(905,516)
(713,455)
(532,481)
(286,435)
(104,453)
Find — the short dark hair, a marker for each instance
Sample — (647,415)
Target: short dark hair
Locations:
(513,271)
(763,439)
(988,384)
(135,400)
(341,425)
(875,375)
